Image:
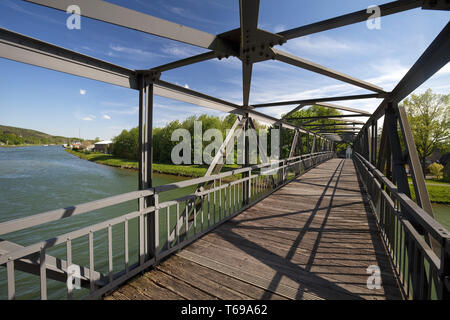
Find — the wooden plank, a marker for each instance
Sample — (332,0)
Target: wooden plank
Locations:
(149,290)
(180,287)
(215,283)
(282,290)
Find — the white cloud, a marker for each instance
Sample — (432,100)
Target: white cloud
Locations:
(88,118)
(321,45)
(186,86)
(279,28)
(125,111)
(132,53)
(105,116)
(180,50)
(444,70)
(82,92)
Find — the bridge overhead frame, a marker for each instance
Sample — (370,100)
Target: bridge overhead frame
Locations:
(251,45)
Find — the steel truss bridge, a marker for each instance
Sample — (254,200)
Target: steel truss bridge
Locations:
(415,248)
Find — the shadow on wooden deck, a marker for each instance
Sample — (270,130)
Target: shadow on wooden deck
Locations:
(312,239)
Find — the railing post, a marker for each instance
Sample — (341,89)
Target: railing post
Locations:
(444,272)
(246,184)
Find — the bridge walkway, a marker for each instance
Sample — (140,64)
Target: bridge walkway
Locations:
(312,239)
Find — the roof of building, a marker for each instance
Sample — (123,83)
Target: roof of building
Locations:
(104,142)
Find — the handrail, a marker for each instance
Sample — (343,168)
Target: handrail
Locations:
(231,201)
(422,273)
(422,217)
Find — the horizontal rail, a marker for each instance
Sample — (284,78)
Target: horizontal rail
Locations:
(426,221)
(53,215)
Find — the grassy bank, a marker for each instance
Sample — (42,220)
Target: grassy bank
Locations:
(438,190)
(438,194)
(20,145)
(178,170)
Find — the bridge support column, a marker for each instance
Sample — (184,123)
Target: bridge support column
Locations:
(374,141)
(148,224)
(246,184)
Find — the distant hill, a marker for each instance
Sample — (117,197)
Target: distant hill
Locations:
(18,136)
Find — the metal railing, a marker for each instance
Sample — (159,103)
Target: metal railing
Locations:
(177,223)
(422,269)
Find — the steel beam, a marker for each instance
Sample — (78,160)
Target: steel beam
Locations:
(314,67)
(431,61)
(18,47)
(292,111)
(351,18)
(294,144)
(124,17)
(337,107)
(172,91)
(420,189)
(246,82)
(184,62)
(318,100)
(248,11)
(328,117)
(320,125)
(148,225)
(348,120)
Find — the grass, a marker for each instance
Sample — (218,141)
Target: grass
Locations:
(437,181)
(193,170)
(438,194)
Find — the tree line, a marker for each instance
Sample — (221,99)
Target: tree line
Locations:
(428,114)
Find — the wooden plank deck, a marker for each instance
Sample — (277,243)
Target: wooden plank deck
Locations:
(312,239)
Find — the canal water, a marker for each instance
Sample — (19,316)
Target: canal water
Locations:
(38,179)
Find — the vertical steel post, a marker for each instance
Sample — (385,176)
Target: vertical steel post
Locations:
(147,226)
(246,184)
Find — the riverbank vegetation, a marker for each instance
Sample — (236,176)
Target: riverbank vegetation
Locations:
(12,136)
(193,171)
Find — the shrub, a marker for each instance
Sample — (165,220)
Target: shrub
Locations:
(436,169)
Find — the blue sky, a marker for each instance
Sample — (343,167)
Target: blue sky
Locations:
(62,104)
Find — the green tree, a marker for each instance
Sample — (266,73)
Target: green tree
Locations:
(428,115)
(126,144)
